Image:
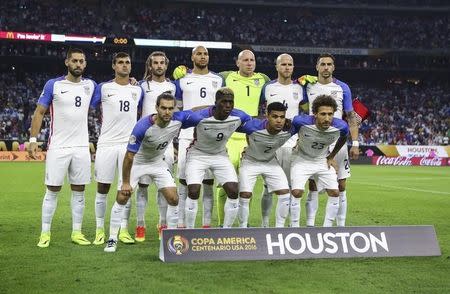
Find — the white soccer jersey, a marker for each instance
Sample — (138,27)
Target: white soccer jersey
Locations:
(261,144)
(152,90)
(211,135)
(69,106)
(290,95)
(149,141)
(120,105)
(313,143)
(336,89)
(197,90)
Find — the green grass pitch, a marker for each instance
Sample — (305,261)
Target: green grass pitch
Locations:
(377,196)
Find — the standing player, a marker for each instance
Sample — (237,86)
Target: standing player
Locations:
(147,144)
(290,93)
(247,87)
(316,133)
(327,85)
(120,102)
(154,84)
(197,88)
(214,126)
(264,138)
(68,98)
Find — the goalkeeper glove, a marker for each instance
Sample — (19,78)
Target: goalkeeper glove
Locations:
(307,79)
(179,72)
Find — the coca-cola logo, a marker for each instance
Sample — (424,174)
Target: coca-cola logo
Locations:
(436,161)
(401,160)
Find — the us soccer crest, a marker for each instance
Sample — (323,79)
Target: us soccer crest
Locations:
(334,94)
(87,90)
(256,82)
(134,96)
(295,96)
(214,84)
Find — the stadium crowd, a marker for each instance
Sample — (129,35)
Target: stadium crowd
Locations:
(278,25)
(392,120)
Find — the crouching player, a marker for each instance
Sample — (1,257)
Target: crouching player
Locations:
(311,159)
(264,138)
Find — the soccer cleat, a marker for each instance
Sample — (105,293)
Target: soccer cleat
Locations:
(140,234)
(79,238)
(44,240)
(125,237)
(160,229)
(111,246)
(99,236)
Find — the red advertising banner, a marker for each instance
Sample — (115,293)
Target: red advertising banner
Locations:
(410,161)
(25,36)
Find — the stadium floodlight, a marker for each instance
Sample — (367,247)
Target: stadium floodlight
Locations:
(182,43)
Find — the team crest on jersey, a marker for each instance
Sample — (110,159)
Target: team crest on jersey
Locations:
(87,90)
(256,82)
(334,94)
(215,84)
(295,96)
(134,96)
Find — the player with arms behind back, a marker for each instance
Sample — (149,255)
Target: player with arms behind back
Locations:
(68,98)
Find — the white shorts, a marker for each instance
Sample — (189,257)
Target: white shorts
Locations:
(271,172)
(284,157)
(198,162)
(158,172)
(303,169)
(76,161)
(108,159)
(343,163)
(168,159)
(183,145)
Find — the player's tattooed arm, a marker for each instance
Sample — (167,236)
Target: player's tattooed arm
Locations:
(354,130)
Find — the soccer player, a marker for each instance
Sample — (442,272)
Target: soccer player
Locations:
(68,98)
(214,126)
(327,85)
(316,133)
(264,138)
(145,151)
(197,88)
(120,102)
(247,87)
(154,84)
(290,93)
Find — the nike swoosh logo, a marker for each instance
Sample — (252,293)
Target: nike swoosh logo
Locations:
(62,92)
(109,95)
(188,83)
(148,91)
(306,135)
(235,80)
(272,95)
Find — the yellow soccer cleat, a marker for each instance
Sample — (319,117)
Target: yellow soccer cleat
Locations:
(99,236)
(79,238)
(125,237)
(44,240)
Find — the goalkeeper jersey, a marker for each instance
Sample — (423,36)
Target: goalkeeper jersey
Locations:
(247,92)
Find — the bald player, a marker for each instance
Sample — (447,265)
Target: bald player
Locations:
(247,86)
(290,93)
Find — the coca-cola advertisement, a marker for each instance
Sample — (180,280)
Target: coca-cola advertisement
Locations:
(407,161)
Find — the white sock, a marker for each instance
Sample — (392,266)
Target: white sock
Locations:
(190,212)
(141,205)
(266,206)
(331,211)
(100,209)
(208,203)
(282,210)
(312,203)
(243,212)
(231,211)
(126,215)
(162,208)
(116,218)
(342,212)
(48,209)
(294,209)
(77,205)
(182,195)
(172,216)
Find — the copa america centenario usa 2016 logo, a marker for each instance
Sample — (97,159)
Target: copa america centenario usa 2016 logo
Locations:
(178,245)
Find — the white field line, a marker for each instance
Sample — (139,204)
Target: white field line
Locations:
(402,188)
